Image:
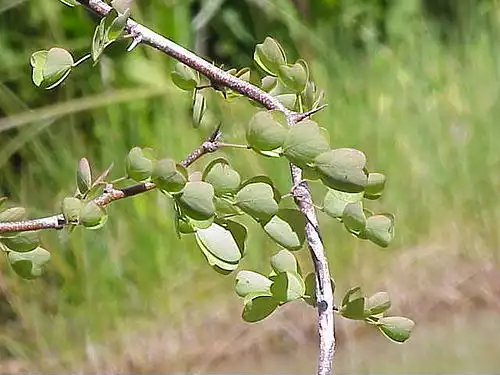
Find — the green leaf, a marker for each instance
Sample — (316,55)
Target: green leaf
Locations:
(267,130)
(258,306)
(287,286)
(351,295)
(269,56)
(184,77)
(117,26)
(304,142)
(57,67)
(29,265)
(251,282)
(239,233)
(139,167)
(99,40)
(70,3)
(288,100)
(92,216)
(37,62)
(380,229)
(217,264)
(197,200)
(354,217)
(221,176)
(220,242)
(310,96)
(199,108)
(3,200)
(268,83)
(287,228)
(83,176)
(22,242)
(396,328)
(353,304)
(377,304)
(336,201)
(295,76)
(169,176)
(257,200)
(284,261)
(374,185)
(121,6)
(12,214)
(225,207)
(342,169)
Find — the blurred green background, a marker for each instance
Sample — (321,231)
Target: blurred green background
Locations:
(413,83)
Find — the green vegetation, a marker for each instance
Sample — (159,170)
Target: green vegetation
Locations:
(422,111)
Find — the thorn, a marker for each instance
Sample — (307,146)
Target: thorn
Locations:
(301,116)
(216,134)
(137,39)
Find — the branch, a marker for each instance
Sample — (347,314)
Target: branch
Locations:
(109,194)
(302,195)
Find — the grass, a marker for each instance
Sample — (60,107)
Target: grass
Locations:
(424,114)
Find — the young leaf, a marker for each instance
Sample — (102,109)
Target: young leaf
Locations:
(268,83)
(353,217)
(37,62)
(295,76)
(287,228)
(251,282)
(284,261)
(288,100)
(396,328)
(288,286)
(269,56)
(117,27)
(184,77)
(342,169)
(22,242)
(139,167)
(380,229)
(220,243)
(377,304)
(221,176)
(57,67)
(267,130)
(336,201)
(217,264)
(257,200)
(12,214)
(29,265)
(199,108)
(70,208)
(197,200)
(304,142)
(83,176)
(374,185)
(92,216)
(258,306)
(168,175)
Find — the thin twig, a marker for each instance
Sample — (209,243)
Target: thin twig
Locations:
(302,195)
(109,194)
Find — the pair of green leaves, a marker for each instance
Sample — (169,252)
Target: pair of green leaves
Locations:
(109,30)
(22,249)
(223,244)
(88,214)
(271,58)
(50,68)
(357,307)
(262,295)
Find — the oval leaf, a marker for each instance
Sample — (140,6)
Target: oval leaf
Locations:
(168,175)
(12,214)
(396,328)
(92,216)
(257,200)
(184,77)
(258,306)
(267,130)
(374,185)
(336,201)
(288,286)
(342,169)
(139,167)
(380,229)
(304,142)
(83,176)
(197,200)
(377,304)
(294,76)
(250,282)
(222,177)
(22,242)
(284,261)
(220,243)
(354,217)
(57,67)
(29,265)
(269,56)
(287,228)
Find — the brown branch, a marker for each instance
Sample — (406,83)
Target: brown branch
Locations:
(109,194)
